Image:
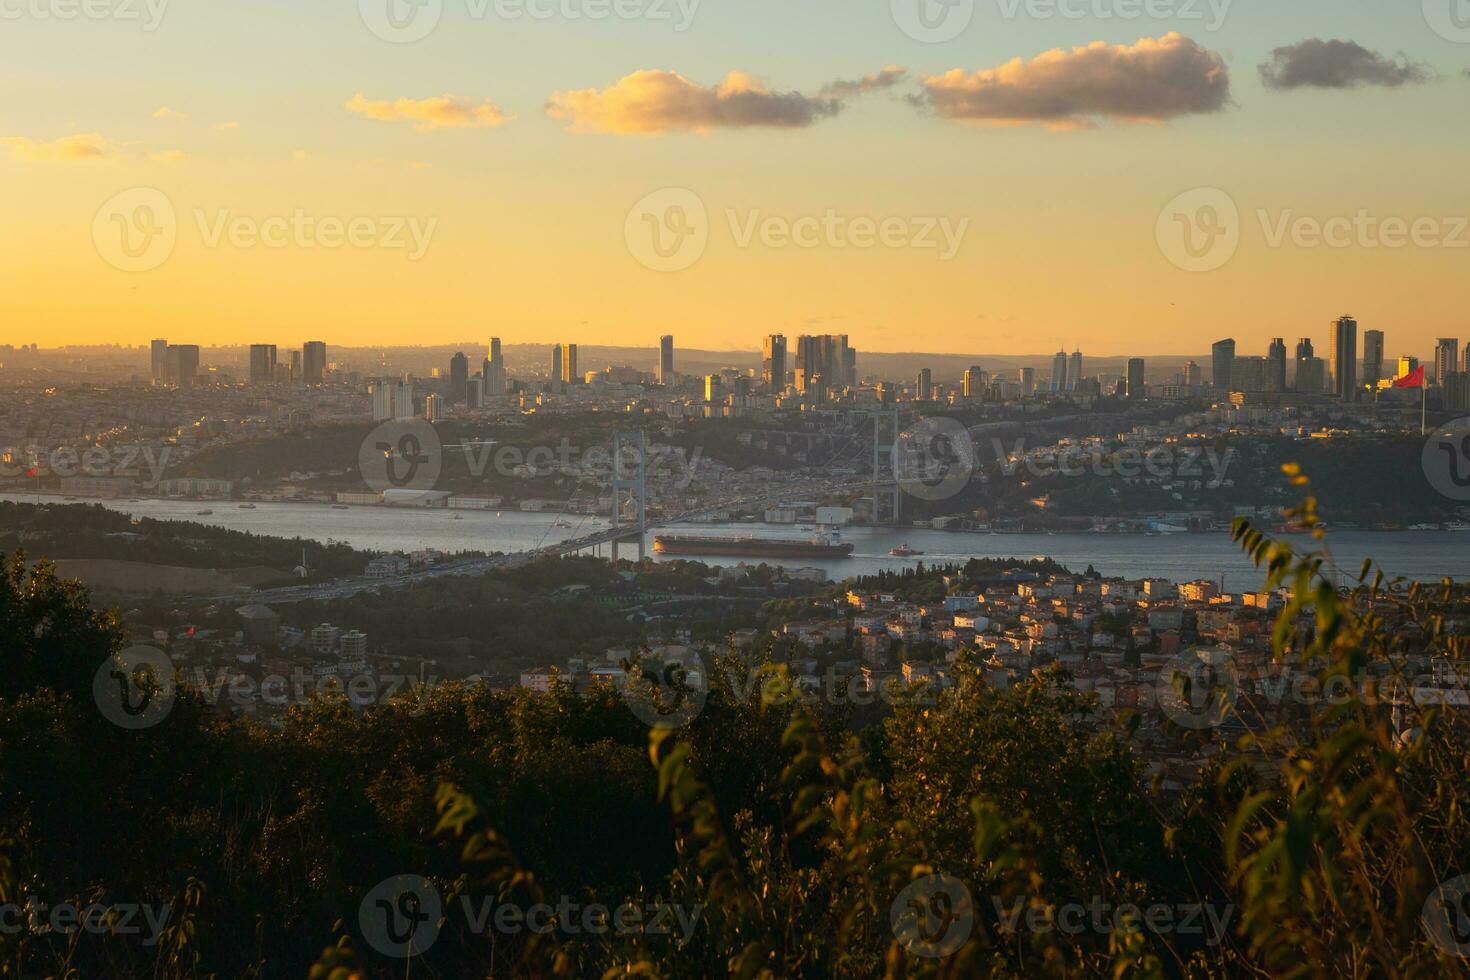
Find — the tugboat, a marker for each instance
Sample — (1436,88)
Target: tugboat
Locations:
(904,551)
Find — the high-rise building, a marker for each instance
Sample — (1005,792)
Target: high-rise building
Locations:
(666,360)
(713,389)
(1074,370)
(1446,359)
(494,370)
(1222,358)
(1345,358)
(1028,382)
(382,395)
(1465,361)
(773,363)
(262,363)
(432,408)
(1276,365)
(974,382)
(827,356)
(295,369)
(555,375)
(313,362)
(925,386)
(1250,374)
(181,364)
(1311,375)
(459,378)
(159,361)
(1304,349)
(1059,371)
(1194,375)
(1408,364)
(1372,358)
(569,375)
(1136,389)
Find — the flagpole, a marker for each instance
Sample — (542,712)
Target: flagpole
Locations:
(1423,409)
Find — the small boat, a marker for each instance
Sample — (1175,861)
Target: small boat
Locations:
(459,517)
(1457,526)
(340,507)
(247,506)
(203,513)
(904,551)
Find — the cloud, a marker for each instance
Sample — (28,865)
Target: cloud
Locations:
(657,101)
(1315,63)
(169,156)
(886,78)
(79,148)
(164,112)
(443,112)
(1153,80)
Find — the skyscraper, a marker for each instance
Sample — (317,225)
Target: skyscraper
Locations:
(1194,375)
(1059,371)
(974,383)
(1311,375)
(159,361)
(569,374)
(1276,365)
(714,393)
(1345,358)
(1222,357)
(1408,364)
(1074,370)
(459,378)
(1250,374)
(1446,359)
(494,370)
(295,369)
(556,367)
(827,356)
(1372,357)
(313,362)
(773,363)
(666,360)
(262,363)
(1136,388)
(1304,348)
(182,364)
(1028,382)
(925,385)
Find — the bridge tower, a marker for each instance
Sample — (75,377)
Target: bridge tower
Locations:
(887,426)
(636,485)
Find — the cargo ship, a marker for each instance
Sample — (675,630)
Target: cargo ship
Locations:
(749,547)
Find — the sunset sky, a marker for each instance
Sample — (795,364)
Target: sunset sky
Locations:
(523,144)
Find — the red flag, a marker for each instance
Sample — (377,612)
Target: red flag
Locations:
(1414,379)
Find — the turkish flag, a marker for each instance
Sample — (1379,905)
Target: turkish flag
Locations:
(1414,379)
